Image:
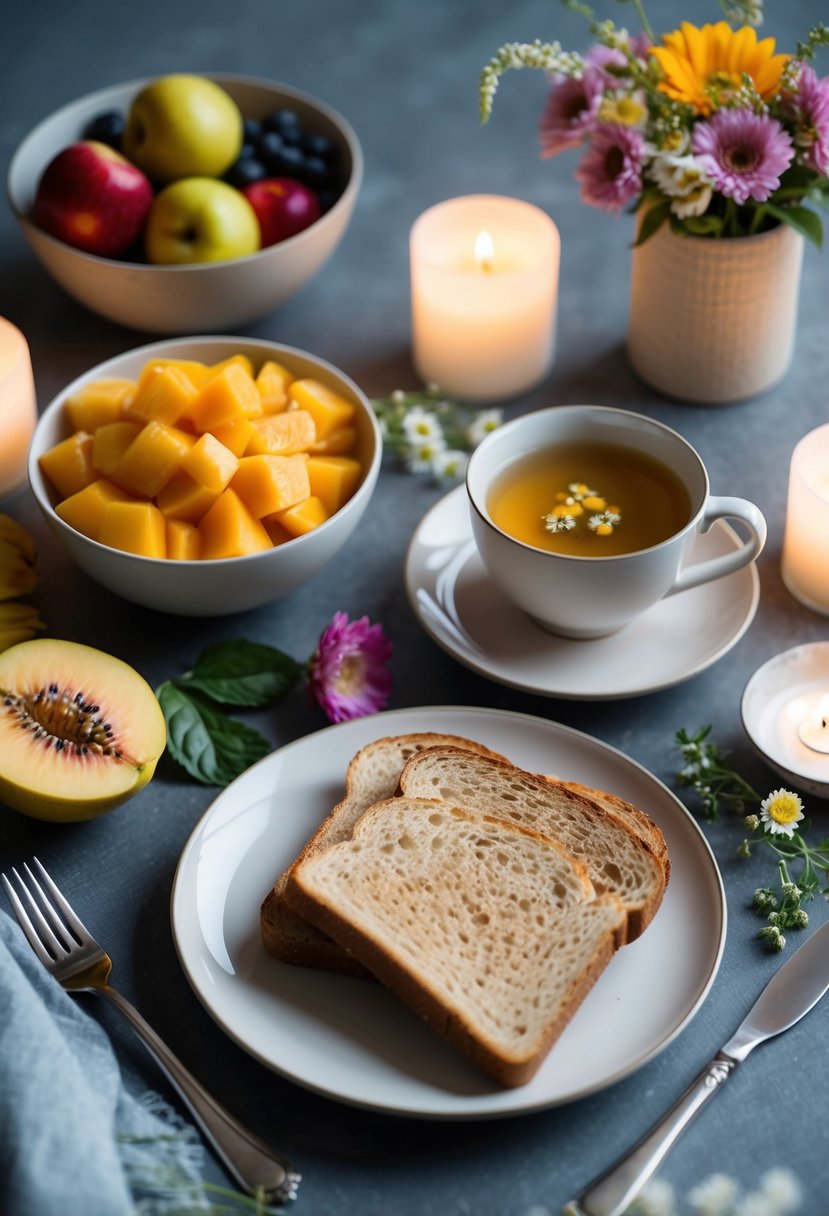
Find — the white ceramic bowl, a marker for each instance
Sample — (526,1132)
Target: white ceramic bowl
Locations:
(228,585)
(195,299)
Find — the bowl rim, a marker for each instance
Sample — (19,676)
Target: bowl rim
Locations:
(37,481)
(345,201)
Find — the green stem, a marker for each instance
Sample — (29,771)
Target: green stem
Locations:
(646,25)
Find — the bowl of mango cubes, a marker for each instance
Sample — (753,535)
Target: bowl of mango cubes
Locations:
(206,476)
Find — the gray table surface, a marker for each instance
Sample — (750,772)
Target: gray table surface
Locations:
(406,77)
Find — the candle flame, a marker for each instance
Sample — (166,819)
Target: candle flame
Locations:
(484,252)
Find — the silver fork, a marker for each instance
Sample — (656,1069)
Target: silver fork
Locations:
(69,951)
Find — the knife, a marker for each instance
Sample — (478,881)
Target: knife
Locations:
(789,995)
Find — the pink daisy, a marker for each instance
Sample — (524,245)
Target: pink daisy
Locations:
(347,673)
(743,153)
(809,107)
(610,172)
(571,111)
(610,62)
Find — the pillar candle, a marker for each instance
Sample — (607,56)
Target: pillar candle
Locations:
(484,284)
(805,562)
(18,409)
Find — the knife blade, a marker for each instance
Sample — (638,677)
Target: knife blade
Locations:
(790,994)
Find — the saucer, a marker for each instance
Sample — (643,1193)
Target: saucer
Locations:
(463,611)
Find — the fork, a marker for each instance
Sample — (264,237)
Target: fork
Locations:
(72,955)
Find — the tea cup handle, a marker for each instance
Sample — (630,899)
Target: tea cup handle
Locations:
(717,567)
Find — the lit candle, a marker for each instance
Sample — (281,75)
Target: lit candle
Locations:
(805,563)
(813,729)
(484,280)
(18,409)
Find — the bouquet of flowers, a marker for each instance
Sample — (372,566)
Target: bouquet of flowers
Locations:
(707,128)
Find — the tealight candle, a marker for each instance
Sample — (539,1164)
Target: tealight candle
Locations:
(805,562)
(813,728)
(18,409)
(484,283)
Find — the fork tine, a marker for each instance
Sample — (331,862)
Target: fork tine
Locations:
(25,922)
(72,919)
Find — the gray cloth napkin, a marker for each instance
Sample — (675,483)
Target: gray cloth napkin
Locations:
(73,1140)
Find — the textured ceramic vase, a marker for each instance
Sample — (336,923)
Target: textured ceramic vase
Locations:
(714,321)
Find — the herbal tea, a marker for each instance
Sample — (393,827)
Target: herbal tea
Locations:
(589,500)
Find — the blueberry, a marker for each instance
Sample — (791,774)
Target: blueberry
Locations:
(252,130)
(319,145)
(286,123)
(244,171)
(315,172)
(288,162)
(247,151)
(107,128)
(270,144)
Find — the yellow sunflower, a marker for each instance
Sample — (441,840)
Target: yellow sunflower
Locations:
(701,63)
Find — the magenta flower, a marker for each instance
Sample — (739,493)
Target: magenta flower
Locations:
(809,108)
(571,111)
(610,172)
(347,673)
(610,62)
(743,153)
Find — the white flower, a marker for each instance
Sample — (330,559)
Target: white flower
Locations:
(558,523)
(450,464)
(677,176)
(714,1196)
(482,424)
(422,426)
(781,812)
(421,457)
(781,1187)
(656,1199)
(695,203)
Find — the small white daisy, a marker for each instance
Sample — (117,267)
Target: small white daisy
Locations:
(781,812)
(782,1187)
(558,523)
(422,426)
(450,464)
(482,424)
(421,457)
(714,1196)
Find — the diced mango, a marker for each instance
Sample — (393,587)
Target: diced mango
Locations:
(243,361)
(151,459)
(68,465)
(109,443)
(195,371)
(301,518)
(282,434)
(271,483)
(333,479)
(98,402)
(329,410)
(135,527)
(210,463)
(183,541)
(234,435)
(337,443)
(84,511)
(272,382)
(275,531)
(229,530)
(183,498)
(163,396)
(226,396)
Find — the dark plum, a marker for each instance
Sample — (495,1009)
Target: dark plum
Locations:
(106,128)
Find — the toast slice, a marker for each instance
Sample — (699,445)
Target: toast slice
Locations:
(372,775)
(490,931)
(620,860)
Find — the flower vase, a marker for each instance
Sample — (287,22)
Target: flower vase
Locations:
(713,321)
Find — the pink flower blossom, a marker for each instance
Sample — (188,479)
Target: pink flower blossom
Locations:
(571,111)
(610,62)
(610,172)
(743,153)
(808,106)
(347,673)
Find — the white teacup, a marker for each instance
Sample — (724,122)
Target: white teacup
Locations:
(589,597)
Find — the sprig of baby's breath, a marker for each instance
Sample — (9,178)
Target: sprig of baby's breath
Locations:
(427,433)
(548,56)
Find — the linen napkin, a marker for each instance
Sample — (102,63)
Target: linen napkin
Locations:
(73,1140)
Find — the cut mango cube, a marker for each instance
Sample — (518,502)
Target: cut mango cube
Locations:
(338,443)
(84,511)
(275,531)
(68,465)
(272,382)
(271,483)
(281,434)
(329,410)
(333,479)
(183,541)
(234,435)
(135,527)
(183,498)
(210,463)
(243,361)
(229,394)
(151,459)
(229,530)
(98,402)
(109,443)
(301,518)
(195,371)
(164,395)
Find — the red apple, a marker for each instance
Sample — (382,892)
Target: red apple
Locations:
(92,198)
(283,207)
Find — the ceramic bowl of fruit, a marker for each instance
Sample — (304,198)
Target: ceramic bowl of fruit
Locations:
(186,204)
(206,476)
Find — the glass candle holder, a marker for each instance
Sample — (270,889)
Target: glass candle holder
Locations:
(18,407)
(805,560)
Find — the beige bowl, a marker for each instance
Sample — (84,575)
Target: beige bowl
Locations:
(210,588)
(195,299)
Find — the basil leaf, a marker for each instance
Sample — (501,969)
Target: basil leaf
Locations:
(243,673)
(212,748)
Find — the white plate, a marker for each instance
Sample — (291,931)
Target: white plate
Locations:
(354,1041)
(464,612)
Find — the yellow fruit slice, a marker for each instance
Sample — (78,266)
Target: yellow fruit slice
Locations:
(333,479)
(282,434)
(271,483)
(329,410)
(229,530)
(68,465)
(85,510)
(134,527)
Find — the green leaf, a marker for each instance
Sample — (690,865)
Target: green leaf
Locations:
(703,225)
(801,219)
(212,748)
(242,673)
(652,220)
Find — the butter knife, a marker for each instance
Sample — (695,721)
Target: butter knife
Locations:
(794,989)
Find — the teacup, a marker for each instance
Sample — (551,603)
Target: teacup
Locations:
(585,596)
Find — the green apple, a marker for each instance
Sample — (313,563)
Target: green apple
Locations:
(183,126)
(200,219)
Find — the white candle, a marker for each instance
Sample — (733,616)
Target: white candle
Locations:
(18,409)
(484,280)
(805,562)
(813,727)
